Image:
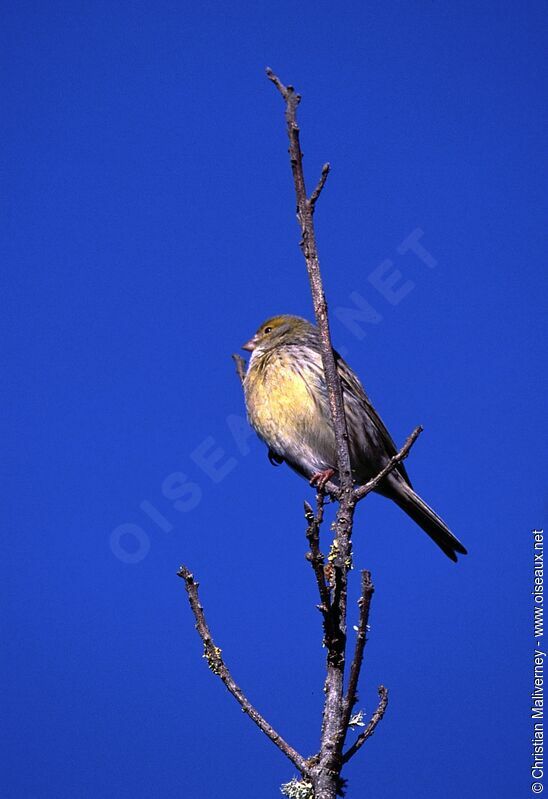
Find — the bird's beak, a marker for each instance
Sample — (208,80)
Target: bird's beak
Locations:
(250,345)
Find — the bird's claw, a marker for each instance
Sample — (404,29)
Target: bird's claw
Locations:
(319,479)
(274,459)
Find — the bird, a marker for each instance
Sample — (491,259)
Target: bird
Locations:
(287,405)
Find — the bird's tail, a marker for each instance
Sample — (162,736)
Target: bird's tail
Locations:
(424,516)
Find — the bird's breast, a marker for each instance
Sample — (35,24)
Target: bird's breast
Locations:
(279,401)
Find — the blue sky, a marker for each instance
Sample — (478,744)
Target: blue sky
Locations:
(148,228)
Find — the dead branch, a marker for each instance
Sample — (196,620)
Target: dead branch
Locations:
(364,604)
(321,183)
(371,485)
(370,729)
(323,770)
(217,665)
(315,556)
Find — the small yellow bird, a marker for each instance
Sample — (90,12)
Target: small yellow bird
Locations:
(287,404)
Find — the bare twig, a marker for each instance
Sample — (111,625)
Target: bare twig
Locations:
(284,90)
(240,366)
(370,729)
(364,604)
(315,556)
(217,665)
(321,183)
(371,485)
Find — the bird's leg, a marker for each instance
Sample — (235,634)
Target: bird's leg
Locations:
(319,479)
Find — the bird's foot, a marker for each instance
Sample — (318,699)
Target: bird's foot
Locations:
(319,479)
(274,459)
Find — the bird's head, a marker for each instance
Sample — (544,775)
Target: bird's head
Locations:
(278,331)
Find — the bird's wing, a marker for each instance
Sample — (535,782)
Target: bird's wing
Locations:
(352,385)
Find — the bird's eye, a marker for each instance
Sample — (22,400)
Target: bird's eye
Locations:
(267,330)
